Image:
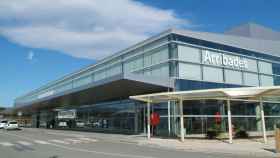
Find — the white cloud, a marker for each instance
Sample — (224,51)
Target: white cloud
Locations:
(30,55)
(82,28)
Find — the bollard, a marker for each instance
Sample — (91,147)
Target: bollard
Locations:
(277,140)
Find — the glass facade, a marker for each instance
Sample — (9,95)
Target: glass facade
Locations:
(192,63)
(197,63)
(123,116)
(201,115)
(151,59)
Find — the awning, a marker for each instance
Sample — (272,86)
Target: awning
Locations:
(258,94)
(246,93)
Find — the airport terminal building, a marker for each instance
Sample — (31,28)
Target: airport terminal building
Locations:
(97,98)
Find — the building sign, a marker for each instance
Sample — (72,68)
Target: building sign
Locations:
(220,59)
(66,114)
(49,93)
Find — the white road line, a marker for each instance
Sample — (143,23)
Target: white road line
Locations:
(6,144)
(64,134)
(88,139)
(41,142)
(24,143)
(59,141)
(84,150)
(103,153)
(74,141)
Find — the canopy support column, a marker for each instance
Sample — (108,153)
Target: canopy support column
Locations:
(181,121)
(169,124)
(229,121)
(148,121)
(263,122)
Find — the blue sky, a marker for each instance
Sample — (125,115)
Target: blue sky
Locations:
(41,42)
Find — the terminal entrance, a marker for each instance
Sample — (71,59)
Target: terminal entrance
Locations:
(231,112)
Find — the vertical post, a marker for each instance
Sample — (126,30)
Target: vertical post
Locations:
(148,120)
(144,120)
(263,122)
(136,120)
(181,120)
(169,126)
(229,121)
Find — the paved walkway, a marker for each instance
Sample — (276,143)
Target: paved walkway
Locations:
(247,147)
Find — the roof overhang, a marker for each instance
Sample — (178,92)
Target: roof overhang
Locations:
(246,93)
(115,89)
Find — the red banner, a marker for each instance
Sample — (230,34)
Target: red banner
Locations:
(218,118)
(155,119)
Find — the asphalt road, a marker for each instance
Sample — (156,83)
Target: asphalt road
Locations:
(64,144)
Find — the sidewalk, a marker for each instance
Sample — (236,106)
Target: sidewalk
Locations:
(244,147)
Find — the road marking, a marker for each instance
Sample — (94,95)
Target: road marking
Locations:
(64,134)
(24,143)
(74,141)
(84,150)
(41,142)
(59,141)
(6,144)
(88,139)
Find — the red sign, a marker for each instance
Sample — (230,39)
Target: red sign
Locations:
(155,119)
(218,118)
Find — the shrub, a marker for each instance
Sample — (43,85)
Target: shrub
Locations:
(213,132)
(241,133)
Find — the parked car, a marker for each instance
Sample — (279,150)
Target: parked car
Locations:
(3,123)
(11,125)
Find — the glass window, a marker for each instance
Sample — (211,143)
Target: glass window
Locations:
(132,53)
(190,71)
(251,79)
(82,81)
(162,70)
(189,54)
(134,64)
(147,72)
(233,77)
(99,75)
(138,63)
(277,80)
(114,70)
(252,65)
(272,109)
(160,56)
(265,67)
(266,80)
(147,60)
(63,87)
(276,68)
(212,74)
(127,66)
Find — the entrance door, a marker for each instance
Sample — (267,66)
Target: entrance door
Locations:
(195,125)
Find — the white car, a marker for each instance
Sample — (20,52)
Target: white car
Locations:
(3,123)
(11,125)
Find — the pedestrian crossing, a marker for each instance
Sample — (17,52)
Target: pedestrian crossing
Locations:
(24,143)
(6,144)
(66,141)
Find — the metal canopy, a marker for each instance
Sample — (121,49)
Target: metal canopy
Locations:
(248,93)
(258,94)
(119,89)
